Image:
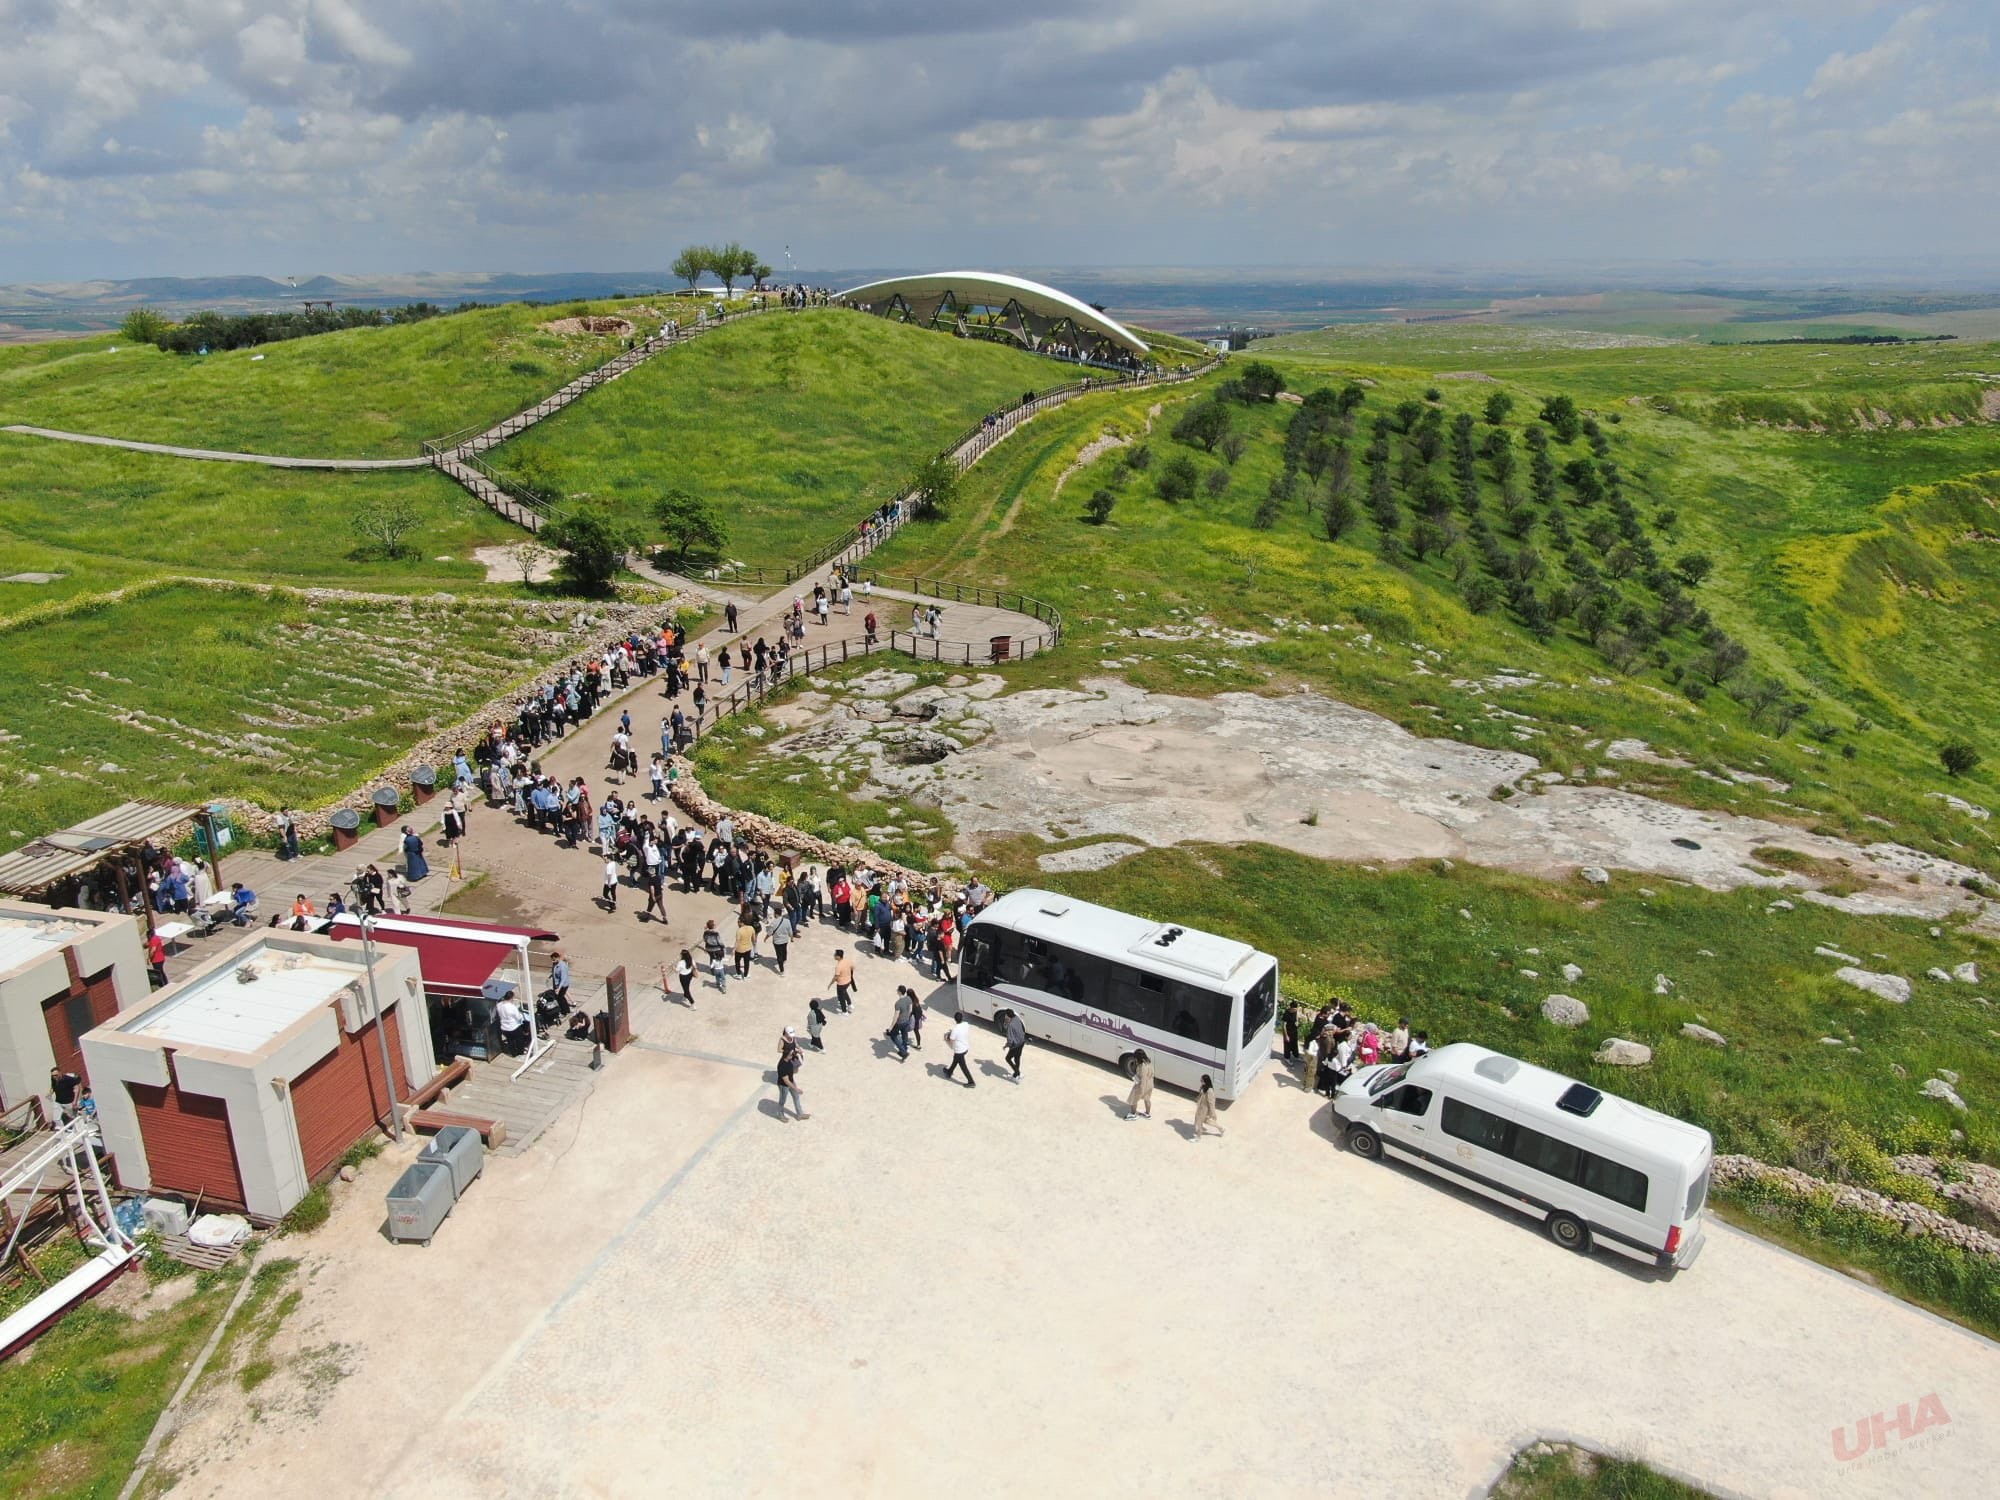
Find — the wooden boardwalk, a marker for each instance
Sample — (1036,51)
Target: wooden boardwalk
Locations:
(558,1080)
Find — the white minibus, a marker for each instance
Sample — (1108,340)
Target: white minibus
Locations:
(1104,982)
(1592,1167)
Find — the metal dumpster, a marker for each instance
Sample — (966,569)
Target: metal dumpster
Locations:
(461,1151)
(419,1201)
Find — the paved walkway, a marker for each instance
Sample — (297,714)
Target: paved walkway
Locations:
(269,460)
(679,1293)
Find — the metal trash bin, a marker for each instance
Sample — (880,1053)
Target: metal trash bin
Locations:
(419,1201)
(461,1151)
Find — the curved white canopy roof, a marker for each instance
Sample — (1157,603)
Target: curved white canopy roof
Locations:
(991,287)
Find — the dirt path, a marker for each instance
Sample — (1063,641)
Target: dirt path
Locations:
(269,460)
(1087,455)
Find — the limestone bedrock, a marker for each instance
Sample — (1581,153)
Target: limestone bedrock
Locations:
(1158,769)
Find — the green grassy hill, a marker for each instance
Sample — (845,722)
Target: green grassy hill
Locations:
(363,393)
(796,424)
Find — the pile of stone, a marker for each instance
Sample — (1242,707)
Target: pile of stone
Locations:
(1914,1219)
(778,838)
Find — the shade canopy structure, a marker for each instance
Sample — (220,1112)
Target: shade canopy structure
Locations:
(460,957)
(44,862)
(979,301)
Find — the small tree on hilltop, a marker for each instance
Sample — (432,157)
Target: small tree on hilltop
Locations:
(692,523)
(729,264)
(934,487)
(761,271)
(590,543)
(384,523)
(1959,758)
(144,325)
(1098,506)
(691,262)
(1497,406)
(1338,515)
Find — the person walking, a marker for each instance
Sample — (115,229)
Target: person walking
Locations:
(746,942)
(711,944)
(684,972)
(789,1058)
(610,897)
(815,1023)
(781,941)
(1312,1063)
(917,1014)
(729,616)
(960,1037)
(1017,1042)
(1291,1031)
(843,981)
(1140,1101)
(415,866)
(1204,1109)
(156,959)
(899,1029)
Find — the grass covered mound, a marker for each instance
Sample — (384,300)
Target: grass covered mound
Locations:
(362,393)
(794,425)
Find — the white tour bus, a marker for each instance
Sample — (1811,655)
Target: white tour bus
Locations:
(1103,982)
(1591,1166)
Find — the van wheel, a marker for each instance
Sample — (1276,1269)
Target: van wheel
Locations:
(1570,1232)
(1364,1142)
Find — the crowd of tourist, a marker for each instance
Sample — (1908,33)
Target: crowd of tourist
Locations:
(1331,1043)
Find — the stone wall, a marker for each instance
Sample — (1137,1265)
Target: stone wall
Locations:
(774,837)
(1914,1219)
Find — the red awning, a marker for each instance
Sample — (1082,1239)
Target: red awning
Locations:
(457,956)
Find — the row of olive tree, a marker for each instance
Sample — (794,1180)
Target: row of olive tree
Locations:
(728,264)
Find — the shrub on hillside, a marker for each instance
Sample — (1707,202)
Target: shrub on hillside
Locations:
(1564,421)
(1098,506)
(1959,758)
(1178,479)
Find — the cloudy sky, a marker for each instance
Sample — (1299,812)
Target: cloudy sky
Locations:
(182,137)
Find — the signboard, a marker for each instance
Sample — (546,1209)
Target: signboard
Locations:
(618,1027)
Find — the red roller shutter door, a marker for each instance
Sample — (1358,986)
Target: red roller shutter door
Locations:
(340,1098)
(87,1004)
(189,1148)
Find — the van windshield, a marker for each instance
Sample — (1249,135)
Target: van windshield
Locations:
(1387,1078)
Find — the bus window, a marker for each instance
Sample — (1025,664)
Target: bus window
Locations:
(977,967)
(1470,1123)
(1141,998)
(1698,1194)
(1608,1179)
(1259,1004)
(1544,1153)
(1199,1015)
(1410,1099)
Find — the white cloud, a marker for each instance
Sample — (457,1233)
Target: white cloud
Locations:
(601,130)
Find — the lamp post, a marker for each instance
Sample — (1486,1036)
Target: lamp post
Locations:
(381,1026)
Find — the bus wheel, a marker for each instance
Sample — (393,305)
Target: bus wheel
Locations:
(1568,1231)
(1364,1142)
